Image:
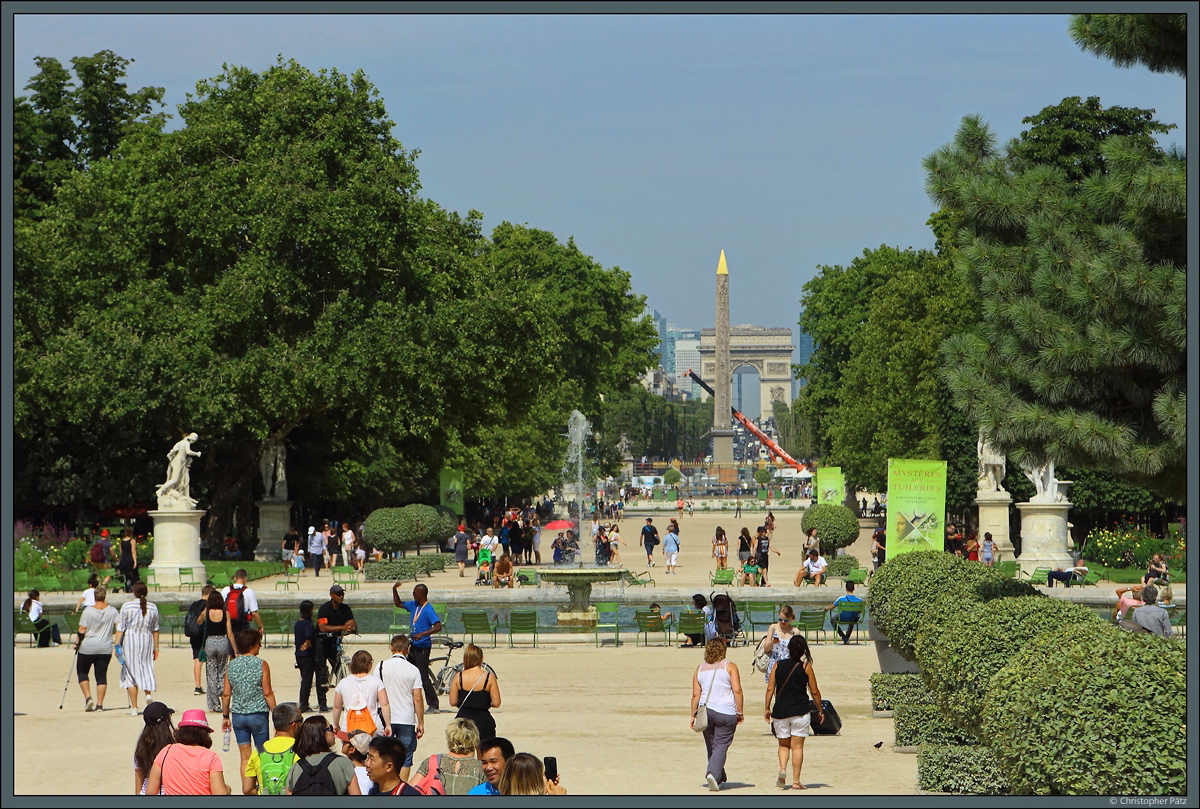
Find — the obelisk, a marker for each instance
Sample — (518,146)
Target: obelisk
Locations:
(722,431)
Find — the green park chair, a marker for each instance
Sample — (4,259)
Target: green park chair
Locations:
(648,622)
(345,576)
(637,579)
(147,575)
(272,623)
(219,579)
(691,622)
(849,616)
(22,625)
(721,578)
(528,577)
(187,578)
(812,621)
(607,618)
(1092,579)
(858,575)
(400,622)
(23,582)
(1038,576)
(476,622)
(48,584)
(290,576)
(759,613)
(1179,619)
(1008,568)
(524,622)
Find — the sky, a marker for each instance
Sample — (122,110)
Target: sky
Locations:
(656,141)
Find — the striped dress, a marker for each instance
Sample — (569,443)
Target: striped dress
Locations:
(138,644)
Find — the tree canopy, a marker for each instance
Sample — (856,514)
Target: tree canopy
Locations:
(1155,41)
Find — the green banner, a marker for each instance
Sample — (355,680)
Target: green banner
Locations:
(831,486)
(452,490)
(916,505)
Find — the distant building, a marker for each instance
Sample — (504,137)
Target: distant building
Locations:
(804,351)
(686,345)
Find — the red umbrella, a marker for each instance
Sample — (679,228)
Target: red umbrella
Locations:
(559,525)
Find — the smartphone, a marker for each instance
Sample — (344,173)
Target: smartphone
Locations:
(551,768)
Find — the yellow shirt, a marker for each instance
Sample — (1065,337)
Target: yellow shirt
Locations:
(275,744)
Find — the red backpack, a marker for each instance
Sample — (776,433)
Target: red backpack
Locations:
(235,603)
(431,782)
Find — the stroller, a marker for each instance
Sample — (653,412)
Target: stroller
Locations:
(726,620)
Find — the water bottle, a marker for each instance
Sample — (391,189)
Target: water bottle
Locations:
(225,741)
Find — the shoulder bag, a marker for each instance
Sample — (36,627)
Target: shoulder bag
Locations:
(700,717)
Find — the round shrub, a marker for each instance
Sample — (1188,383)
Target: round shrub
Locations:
(1091,710)
(959,657)
(841,565)
(672,476)
(836,525)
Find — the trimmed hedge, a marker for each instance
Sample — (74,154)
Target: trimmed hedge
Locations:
(841,565)
(962,770)
(925,724)
(407,568)
(836,525)
(1091,710)
(918,589)
(890,690)
(386,529)
(958,657)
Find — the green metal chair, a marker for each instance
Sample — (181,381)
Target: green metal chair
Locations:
(147,575)
(525,622)
(1179,619)
(219,579)
(1008,568)
(345,576)
(22,624)
(648,622)
(637,579)
(271,622)
(528,577)
(858,575)
(812,621)
(187,578)
(48,584)
(607,618)
(759,613)
(290,576)
(23,582)
(400,622)
(477,622)
(838,618)
(1090,580)
(1038,576)
(691,622)
(721,578)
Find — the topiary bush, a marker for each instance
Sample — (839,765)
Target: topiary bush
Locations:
(959,769)
(841,565)
(958,657)
(388,530)
(890,690)
(1091,710)
(925,724)
(836,525)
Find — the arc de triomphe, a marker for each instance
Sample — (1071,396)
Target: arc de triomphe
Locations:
(768,351)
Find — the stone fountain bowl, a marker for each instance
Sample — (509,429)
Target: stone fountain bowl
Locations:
(579,583)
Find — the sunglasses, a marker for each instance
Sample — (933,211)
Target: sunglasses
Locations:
(330,729)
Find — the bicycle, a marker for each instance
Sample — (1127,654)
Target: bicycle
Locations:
(446,674)
(341,665)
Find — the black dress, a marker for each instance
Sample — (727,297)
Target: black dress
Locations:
(475,705)
(125,564)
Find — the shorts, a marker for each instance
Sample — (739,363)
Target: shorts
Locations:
(197,642)
(97,662)
(249,727)
(792,726)
(360,555)
(743,556)
(720,551)
(987,557)
(671,557)
(287,556)
(762,561)
(407,735)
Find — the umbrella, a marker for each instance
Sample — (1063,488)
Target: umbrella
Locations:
(559,525)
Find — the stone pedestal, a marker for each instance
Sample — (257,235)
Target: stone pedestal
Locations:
(1044,536)
(994,518)
(274,520)
(177,545)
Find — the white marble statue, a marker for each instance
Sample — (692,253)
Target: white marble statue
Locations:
(623,446)
(179,464)
(271,464)
(1044,483)
(992,466)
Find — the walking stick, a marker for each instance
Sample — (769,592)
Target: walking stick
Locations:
(67,684)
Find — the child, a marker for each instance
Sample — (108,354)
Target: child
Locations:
(749,572)
(666,616)
(485,571)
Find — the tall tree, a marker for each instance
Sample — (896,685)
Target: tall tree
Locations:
(1080,352)
(1155,41)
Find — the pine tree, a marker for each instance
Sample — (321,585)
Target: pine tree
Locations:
(1156,41)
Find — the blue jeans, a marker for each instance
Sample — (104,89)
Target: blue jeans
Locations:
(407,734)
(250,725)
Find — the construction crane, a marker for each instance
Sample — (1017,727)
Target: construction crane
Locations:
(766,441)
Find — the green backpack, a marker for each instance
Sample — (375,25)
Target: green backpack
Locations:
(273,770)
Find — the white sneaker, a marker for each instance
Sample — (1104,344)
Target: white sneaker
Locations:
(134,712)
(713,786)
(89,705)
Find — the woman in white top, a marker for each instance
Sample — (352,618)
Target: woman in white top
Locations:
(362,690)
(47,633)
(778,635)
(717,684)
(88,599)
(348,542)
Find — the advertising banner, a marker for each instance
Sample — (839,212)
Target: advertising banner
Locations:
(451,489)
(916,499)
(831,486)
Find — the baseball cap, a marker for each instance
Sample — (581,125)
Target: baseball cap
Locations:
(337,589)
(360,740)
(103,532)
(156,712)
(194,718)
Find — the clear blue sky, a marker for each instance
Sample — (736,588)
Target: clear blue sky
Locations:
(656,141)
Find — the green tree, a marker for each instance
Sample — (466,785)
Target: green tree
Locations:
(1155,41)
(763,476)
(265,272)
(1080,352)
(671,476)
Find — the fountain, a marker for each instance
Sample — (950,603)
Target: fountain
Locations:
(578,579)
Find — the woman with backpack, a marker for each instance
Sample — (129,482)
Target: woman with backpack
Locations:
(217,647)
(457,771)
(791,682)
(188,766)
(360,698)
(137,635)
(318,770)
(247,698)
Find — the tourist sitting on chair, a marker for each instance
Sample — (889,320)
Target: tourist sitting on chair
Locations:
(503,573)
(1149,617)
(1065,576)
(749,572)
(847,616)
(812,571)
(1157,570)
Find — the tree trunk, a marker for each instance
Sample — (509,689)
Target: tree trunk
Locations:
(231,484)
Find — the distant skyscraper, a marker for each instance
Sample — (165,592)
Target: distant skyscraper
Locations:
(660,327)
(804,351)
(687,358)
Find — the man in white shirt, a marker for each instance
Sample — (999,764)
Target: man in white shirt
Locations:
(402,681)
(490,541)
(813,570)
(251,602)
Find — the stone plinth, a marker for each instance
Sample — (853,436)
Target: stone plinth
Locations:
(1044,536)
(994,518)
(274,520)
(177,545)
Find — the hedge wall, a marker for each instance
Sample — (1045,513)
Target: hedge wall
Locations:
(890,690)
(958,657)
(962,770)
(1091,710)
(925,724)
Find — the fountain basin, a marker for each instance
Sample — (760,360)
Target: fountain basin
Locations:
(579,581)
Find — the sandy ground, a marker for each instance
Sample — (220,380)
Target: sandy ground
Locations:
(616,718)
